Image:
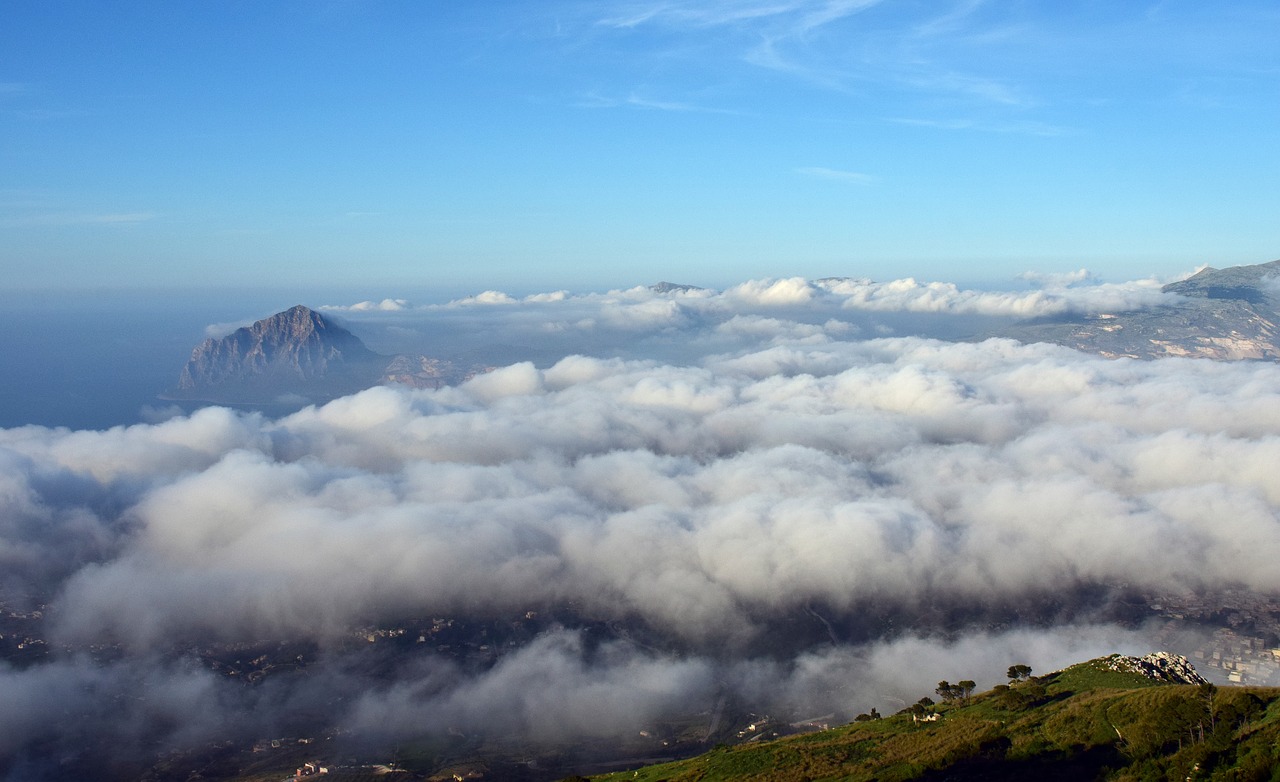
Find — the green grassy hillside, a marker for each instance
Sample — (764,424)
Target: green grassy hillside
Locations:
(1085,722)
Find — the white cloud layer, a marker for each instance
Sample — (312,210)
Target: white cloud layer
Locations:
(1076,292)
(682,325)
(805,478)
(697,498)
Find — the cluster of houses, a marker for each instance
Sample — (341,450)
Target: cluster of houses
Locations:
(1246,660)
(1239,648)
(310,769)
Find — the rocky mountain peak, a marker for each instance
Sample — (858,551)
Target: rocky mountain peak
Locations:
(291,347)
(297,322)
(301,355)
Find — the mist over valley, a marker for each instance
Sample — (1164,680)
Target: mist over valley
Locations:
(525,391)
(650,518)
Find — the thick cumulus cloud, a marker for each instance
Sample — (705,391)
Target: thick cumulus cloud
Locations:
(701,500)
(787,521)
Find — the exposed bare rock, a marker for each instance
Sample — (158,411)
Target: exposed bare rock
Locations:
(1158,666)
(294,346)
(302,356)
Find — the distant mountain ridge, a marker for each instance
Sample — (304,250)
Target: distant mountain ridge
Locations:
(299,353)
(1225,314)
(1246,283)
(665,287)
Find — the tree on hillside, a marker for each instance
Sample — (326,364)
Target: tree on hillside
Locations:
(872,715)
(966,688)
(1209,693)
(948,691)
(1019,672)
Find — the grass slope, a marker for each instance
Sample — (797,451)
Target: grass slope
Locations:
(1085,722)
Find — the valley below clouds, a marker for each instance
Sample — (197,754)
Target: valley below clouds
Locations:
(781,493)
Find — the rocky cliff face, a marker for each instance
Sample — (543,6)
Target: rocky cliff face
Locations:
(1226,314)
(294,346)
(300,354)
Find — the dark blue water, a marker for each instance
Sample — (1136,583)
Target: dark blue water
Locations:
(91,361)
(96,359)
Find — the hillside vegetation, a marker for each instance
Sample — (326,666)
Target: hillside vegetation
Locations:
(1085,722)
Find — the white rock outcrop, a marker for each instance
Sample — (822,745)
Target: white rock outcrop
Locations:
(1159,666)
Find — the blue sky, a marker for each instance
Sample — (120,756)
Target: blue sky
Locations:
(534,146)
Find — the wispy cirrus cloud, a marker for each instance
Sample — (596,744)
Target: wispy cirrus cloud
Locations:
(986,89)
(81,218)
(837,175)
(804,14)
(771,54)
(1026,127)
(848,45)
(951,21)
(831,11)
(637,101)
(669,105)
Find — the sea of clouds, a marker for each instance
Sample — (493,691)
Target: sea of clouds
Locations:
(711,469)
